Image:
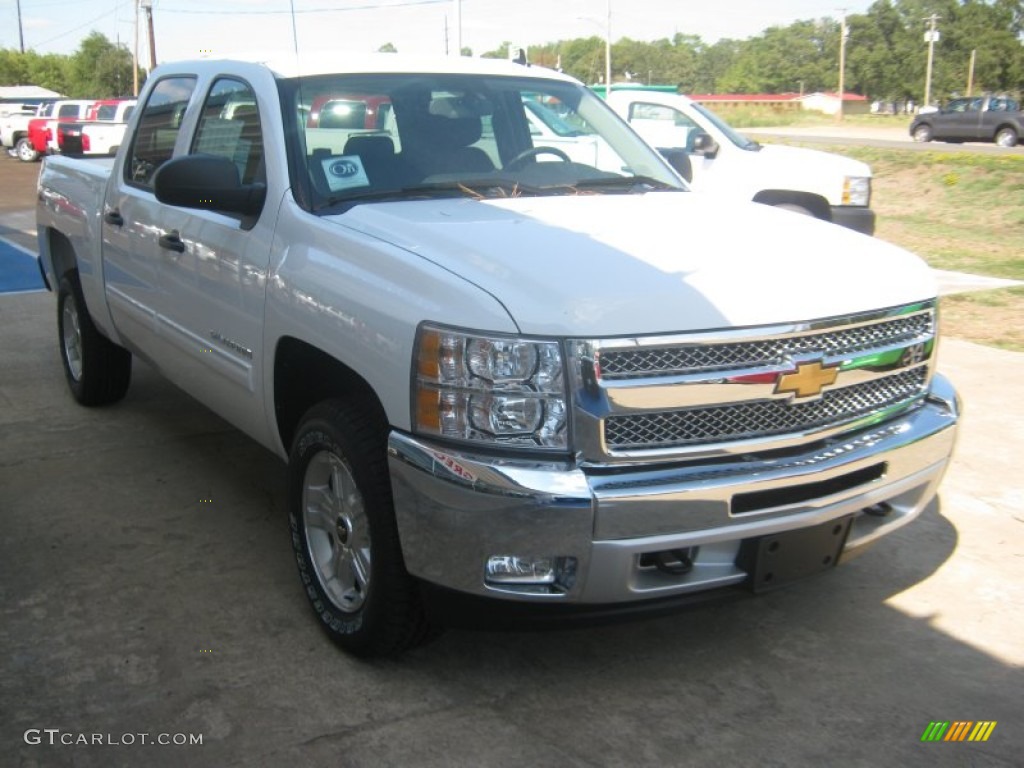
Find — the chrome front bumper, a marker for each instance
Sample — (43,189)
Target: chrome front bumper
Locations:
(455,510)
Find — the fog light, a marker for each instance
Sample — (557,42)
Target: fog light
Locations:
(549,574)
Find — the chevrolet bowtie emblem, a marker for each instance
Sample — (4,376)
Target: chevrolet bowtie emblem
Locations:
(807,380)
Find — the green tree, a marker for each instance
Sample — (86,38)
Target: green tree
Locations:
(100,69)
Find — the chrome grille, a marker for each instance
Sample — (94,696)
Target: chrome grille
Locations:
(765,418)
(701,358)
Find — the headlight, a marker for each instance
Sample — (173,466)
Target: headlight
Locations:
(492,389)
(857,190)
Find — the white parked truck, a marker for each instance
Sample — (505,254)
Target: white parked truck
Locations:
(552,390)
(725,162)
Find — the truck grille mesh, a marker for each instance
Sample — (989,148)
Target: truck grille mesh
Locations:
(738,421)
(701,358)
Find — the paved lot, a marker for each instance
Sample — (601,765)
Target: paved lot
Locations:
(147,586)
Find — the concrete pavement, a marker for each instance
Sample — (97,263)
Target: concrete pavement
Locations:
(148,587)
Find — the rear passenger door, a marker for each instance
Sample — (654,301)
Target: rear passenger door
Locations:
(131,217)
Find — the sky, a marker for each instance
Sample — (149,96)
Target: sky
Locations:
(185,28)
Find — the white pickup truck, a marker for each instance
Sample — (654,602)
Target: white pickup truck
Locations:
(821,184)
(101,135)
(500,378)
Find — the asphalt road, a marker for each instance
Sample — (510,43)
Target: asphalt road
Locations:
(147,586)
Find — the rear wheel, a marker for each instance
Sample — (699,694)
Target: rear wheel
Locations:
(344,532)
(25,151)
(922,132)
(98,371)
(1006,137)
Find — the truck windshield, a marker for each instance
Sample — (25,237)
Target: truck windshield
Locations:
(380,137)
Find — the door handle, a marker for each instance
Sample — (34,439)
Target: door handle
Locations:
(172,241)
(114,218)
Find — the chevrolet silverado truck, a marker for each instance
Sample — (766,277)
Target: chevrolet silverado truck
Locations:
(509,387)
(725,162)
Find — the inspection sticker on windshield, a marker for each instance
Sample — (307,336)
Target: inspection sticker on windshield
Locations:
(345,172)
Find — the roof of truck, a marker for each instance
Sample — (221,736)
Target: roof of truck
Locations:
(288,64)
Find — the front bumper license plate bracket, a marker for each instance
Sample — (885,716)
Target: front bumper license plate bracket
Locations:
(781,558)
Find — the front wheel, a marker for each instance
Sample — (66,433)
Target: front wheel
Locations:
(1006,137)
(25,151)
(922,133)
(97,370)
(345,536)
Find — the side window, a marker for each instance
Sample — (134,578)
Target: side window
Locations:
(660,114)
(68,110)
(229,126)
(157,129)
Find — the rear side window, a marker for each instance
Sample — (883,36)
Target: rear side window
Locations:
(157,129)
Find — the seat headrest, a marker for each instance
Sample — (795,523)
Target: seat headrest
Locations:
(372,145)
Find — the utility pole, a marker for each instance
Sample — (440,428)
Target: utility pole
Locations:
(148,5)
(931,37)
(842,64)
(135,54)
(970,73)
(21,33)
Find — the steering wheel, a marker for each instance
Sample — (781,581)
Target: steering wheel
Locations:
(526,154)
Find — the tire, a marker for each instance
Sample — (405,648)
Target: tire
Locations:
(97,370)
(345,536)
(25,151)
(922,133)
(1006,137)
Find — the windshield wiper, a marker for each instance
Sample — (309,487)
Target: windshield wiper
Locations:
(476,188)
(628,183)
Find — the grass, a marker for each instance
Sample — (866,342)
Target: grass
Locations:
(959,211)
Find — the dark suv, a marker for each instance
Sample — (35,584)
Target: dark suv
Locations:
(977,118)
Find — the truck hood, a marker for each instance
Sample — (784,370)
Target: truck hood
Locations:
(661,262)
(810,163)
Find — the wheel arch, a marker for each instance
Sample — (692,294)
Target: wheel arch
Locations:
(816,204)
(63,258)
(304,376)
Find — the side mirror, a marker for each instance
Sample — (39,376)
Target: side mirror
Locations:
(679,160)
(704,145)
(209,183)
